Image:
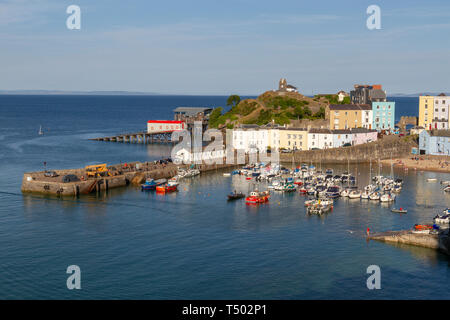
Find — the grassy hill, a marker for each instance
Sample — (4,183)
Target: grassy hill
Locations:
(282,107)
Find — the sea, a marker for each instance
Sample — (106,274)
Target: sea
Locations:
(192,244)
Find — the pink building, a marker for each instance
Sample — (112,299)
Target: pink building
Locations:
(363,135)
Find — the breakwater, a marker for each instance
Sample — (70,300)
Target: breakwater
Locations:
(385,148)
(439,241)
(120,175)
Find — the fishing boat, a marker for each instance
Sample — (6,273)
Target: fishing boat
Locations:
(151,184)
(235,196)
(257,197)
(422,228)
(354,194)
(400,210)
(167,187)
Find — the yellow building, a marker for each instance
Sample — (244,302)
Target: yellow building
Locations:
(293,138)
(426,107)
(347,116)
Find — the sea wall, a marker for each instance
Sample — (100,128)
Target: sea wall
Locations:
(385,148)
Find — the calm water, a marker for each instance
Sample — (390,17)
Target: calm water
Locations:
(192,244)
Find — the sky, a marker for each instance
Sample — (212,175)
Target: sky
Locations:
(215,47)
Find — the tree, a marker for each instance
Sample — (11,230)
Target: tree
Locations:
(233,100)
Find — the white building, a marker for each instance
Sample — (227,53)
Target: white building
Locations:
(320,139)
(367,117)
(440,112)
(251,139)
(185,155)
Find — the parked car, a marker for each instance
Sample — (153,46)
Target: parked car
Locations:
(70,178)
(50,174)
(348,144)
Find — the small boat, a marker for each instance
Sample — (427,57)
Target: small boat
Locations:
(447,189)
(387,197)
(151,184)
(168,187)
(446,182)
(400,210)
(374,196)
(442,219)
(422,228)
(235,196)
(227,174)
(431,179)
(354,194)
(41,133)
(365,195)
(345,193)
(248,178)
(257,197)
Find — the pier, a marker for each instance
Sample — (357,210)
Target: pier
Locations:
(439,241)
(139,137)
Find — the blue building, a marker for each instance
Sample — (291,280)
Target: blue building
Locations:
(434,142)
(383,115)
(342,137)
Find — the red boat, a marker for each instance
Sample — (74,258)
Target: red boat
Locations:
(303,190)
(170,187)
(257,197)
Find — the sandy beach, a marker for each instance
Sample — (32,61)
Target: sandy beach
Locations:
(422,163)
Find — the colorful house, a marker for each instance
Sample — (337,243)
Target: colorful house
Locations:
(293,138)
(434,142)
(342,137)
(426,108)
(346,116)
(363,135)
(320,139)
(383,115)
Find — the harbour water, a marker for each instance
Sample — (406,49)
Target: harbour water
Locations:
(192,244)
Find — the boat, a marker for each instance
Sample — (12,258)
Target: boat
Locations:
(151,184)
(442,219)
(167,187)
(227,174)
(422,228)
(354,194)
(400,210)
(387,197)
(365,195)
(447,189)
(257,197)
(320,207)
(333,192)
(235,196)
(446,182)
(431,179)
(345,193)
(41,133)
(374,196)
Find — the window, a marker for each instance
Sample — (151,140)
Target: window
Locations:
(436,110)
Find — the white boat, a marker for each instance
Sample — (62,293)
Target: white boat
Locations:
(227,174)
(345,193)
(374,196)
(274,184)
(431,179)
(442,219)
(365,195)
(40,131)
(354,194)
(447,189)
(387,197)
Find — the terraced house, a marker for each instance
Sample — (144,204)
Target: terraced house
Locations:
(434,112)
(293,138)
(383,115)
(347,116)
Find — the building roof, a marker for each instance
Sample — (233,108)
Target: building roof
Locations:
(439,133)
(362,130)
(293,129)
(350,107)
(341,131)
(442,95)
(377,94)
(324,131)
(192,110)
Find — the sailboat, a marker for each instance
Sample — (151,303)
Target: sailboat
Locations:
(41,133)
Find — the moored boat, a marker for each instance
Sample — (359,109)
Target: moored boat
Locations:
(167,187)
(235,196)
(257,197)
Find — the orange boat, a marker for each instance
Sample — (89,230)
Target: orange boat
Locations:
(257,197)
(168,187)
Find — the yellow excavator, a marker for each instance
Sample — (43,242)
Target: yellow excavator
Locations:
(97,170)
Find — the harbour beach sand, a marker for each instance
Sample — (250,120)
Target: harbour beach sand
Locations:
(421,163)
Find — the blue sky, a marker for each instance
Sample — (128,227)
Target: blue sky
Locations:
(223,47)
